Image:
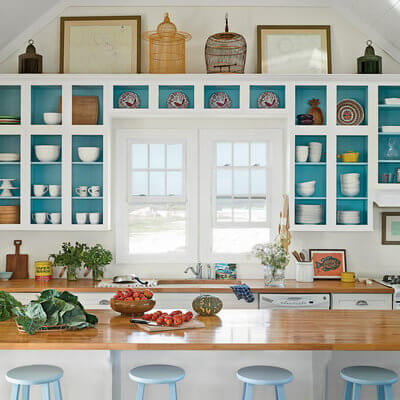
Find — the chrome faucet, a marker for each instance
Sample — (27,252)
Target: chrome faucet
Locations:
(198,272)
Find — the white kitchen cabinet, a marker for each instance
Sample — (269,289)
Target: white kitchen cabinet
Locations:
(360,301)
(25,298)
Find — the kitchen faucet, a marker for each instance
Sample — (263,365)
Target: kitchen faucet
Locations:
(199,271)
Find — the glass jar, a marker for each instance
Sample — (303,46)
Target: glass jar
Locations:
(97,273)
(274,276)
(72,274)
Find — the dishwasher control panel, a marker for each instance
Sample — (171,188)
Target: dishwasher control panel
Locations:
(301,301)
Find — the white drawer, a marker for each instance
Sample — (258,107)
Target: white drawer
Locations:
(359,301)
(25,298)
(95,301)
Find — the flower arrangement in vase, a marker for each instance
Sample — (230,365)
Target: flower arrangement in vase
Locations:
(95,259)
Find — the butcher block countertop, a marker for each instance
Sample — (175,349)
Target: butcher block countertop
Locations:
(195,286)
(229,330)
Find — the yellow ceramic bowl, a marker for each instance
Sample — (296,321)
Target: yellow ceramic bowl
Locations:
(349,156)
(348,277)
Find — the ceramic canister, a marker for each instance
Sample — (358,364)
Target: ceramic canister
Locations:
(43,270)
(304,271)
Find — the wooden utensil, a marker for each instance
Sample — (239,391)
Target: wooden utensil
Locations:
(17,263)
(296,255)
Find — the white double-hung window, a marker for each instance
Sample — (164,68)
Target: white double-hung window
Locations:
(197,195)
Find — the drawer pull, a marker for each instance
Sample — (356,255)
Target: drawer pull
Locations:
(104,302)
(362,303)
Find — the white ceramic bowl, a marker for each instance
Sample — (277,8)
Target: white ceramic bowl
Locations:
(88,154)
(350,192)
(47,153)
(51,118)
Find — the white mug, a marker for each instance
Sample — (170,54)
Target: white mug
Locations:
(40,190)
(94,218)
(54,218)
(39,218)
(82,191)
(81,218)
(94,191)
(301,153)
(54,190)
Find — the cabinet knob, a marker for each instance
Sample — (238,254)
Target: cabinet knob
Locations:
(104,302)
(361,303)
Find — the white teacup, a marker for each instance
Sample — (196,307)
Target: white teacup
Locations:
(94,218)
(55,190)
(94,191)
(40,190)
(81,218)
(54,218)
(82,191)
(39,218)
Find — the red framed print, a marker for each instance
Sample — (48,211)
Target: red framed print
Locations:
(328,264)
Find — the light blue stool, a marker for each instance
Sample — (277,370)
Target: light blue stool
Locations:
(156,374)
(357,376)
(264,375)
(24,377)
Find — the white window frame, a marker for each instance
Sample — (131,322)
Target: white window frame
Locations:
(275,176)
(124,139)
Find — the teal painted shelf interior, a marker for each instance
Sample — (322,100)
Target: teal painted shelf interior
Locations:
(359,144)
(11,170)
(304,93)
(44,99)
(10,101)
(357,93)
(141,91)
(165,91)
(91,91)
(256,91)
(86,174)
(233,91)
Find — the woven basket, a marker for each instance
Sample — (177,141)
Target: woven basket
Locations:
(9,215)
(44,328)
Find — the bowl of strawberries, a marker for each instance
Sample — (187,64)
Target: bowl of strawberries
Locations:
(132,302)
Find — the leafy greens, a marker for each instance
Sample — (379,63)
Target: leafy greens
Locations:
(7,303)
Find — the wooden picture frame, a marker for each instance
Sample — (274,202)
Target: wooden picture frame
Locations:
(391,228)
(94,45)
(288,49)
(325,263)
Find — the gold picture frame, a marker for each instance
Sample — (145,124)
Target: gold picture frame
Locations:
(100,45)
(294,49)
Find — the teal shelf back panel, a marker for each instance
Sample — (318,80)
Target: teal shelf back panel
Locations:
(233,91)
(389,147)
(87,206)
(317,173)
(10,144)
(387,92)
(42,174)
(141,91)
(45,140)
(165,91)
(45,205)
(358,144)
(87,175)
(390,170)
(86,141)
(357,93)
(354,205)
(91,91)
(304,140)
(348,168)
(9,202)
(10,101)
(312,201)
(306,93)
(256,91)
(44,99)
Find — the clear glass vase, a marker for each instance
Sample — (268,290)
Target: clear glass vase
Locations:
(97,274)
(71,274)
(274,276)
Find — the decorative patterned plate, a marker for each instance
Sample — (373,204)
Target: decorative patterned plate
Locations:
(128,100)
(268,100)
(177,100)
(220,100)
(349,112)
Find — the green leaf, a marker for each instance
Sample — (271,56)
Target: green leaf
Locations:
(48,294)
(30,325)
(7,304)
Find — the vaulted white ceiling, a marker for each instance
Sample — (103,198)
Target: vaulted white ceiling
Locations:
(377,19)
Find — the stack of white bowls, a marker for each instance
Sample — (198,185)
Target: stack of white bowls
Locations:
(306,188)
(315,151)
(348,217)
(350,184)
(309,214)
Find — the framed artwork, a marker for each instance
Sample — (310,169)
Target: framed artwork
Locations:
(328,264)
(391,228)
(294,49)
(100,45)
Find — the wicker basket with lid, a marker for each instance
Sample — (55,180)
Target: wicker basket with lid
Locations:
(167,48)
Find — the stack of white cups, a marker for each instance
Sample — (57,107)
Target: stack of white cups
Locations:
(350,184)
(312,152)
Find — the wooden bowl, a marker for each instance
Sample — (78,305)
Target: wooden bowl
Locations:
(132,307)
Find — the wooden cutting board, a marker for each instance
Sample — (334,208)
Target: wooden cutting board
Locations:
(193,324)
(17,263)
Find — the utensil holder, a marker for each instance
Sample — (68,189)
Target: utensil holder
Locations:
(304,271)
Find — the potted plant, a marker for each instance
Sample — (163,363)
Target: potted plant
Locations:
(275,258)
(70,257)
(95,259)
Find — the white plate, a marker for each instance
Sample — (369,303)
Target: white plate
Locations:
(392,100)
(390,128)
(9,157)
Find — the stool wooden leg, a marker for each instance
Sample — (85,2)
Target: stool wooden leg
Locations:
(348,391)
(356,392)
(46,391)
(279,392)
(388,392)
(172,392)
(140,391)
(25,392)
(380,392)
(249,391)
(57,390)
(15,392)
